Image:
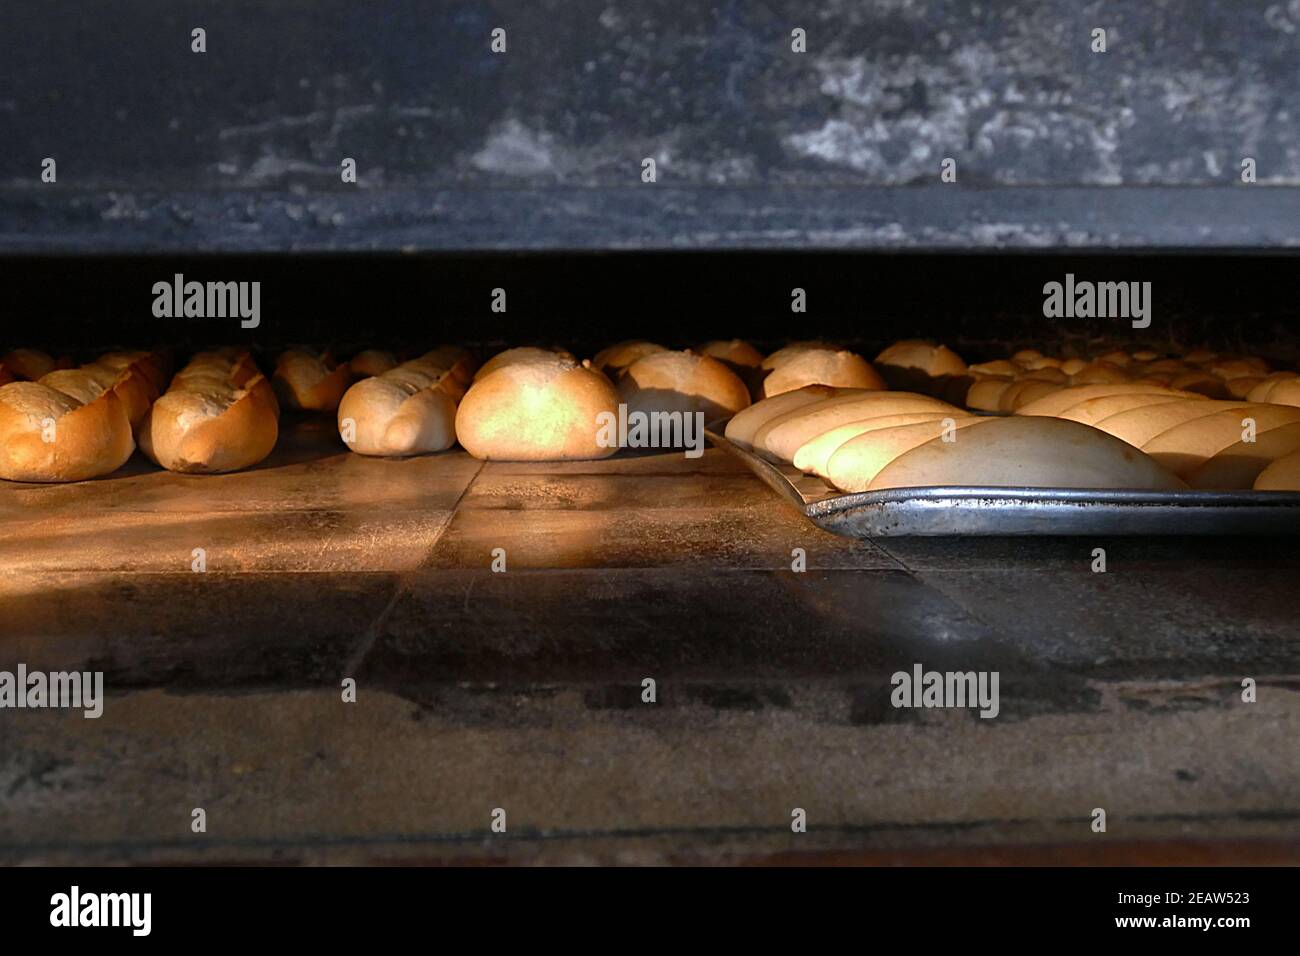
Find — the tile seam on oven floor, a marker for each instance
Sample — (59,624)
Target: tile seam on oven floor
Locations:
(533,835)
(402,585)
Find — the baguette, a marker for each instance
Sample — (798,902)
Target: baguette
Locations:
(219,415)
(1022,452)
(613,361)
(408,410)
(310,382)
(48,435)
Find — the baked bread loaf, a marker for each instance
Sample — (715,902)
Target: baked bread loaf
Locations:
(132,376)
(1281,475)
(48,435)
(542,409)
(821,367)
(524,354)
(682,382)
(615,359)
(734,353)
(814,455)
(371,362)
(1185,447)
(1240,464)
(408,410)
(309,381)
(30,365)
(914,365)
(855,463)
(1059,401)
(1137,426)
(1033,452)
(219,415)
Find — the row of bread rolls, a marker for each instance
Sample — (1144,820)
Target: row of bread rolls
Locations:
(76,423)
(1209,443)
(861,440)
(1006,385)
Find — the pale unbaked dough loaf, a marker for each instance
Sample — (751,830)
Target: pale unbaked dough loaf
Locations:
(745,423)
(47,435)
(219,415)
(537,410)
(682,382)
(1027,451)
(821,367)
(1281,475)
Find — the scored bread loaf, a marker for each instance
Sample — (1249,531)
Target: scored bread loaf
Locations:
(407,410)
(615,359)
(682,382)
(48,435)
(310,381)
(220,414)
(816,366)
(743,425)
(1029,451)
(521,355)
(541,409)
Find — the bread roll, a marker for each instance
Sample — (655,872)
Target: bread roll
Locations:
(821,367)
(682,382)
(29,364)
(408,410)
(1285,392)
(47,435)
(537,410)
(1000,367)
(1100,372)
(371,362)
(311,382)
(1052,405)
(1281,475)
(794,349)
(1238,465)
(1028,452)
(219,415)
(917,366)
(1186,447)
(1203,383)
(1073,366)
(1264,390)
(1025,356)
(615,359)
(522,355)
(1024,391)
(855,463)
(779,438)
(814,454)
(734,353)
(740,430)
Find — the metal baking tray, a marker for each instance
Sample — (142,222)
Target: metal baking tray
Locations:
(903,512)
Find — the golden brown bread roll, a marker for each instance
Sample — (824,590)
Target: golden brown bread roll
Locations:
(682,382)
(408,410)
(736,353)
(47,435)
(30,364)
(309,381)
(918,366)
(784,354)
(537,410)
(524,354)
(615,359)
(219,415)
(821,367)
